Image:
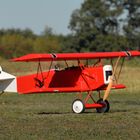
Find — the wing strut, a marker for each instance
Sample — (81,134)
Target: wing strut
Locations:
(39,82)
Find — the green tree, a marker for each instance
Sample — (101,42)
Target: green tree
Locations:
(48,31)
(15,45)
(97,24)
(16,42)
(132,29)
(47,44)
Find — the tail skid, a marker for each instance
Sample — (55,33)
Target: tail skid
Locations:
(8,82)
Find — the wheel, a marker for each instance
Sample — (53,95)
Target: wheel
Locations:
(78,106)
(105,108)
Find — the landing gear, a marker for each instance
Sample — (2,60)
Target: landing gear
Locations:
(78,106)
(105,107)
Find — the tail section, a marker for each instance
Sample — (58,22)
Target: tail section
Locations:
(8,82)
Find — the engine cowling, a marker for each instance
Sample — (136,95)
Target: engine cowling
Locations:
(107,70)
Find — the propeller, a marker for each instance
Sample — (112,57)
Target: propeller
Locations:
(107,92)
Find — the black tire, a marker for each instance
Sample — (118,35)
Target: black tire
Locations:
(78,106)
(105,108)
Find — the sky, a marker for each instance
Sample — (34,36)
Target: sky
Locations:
(38,14)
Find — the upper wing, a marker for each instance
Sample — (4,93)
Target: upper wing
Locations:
(74,56)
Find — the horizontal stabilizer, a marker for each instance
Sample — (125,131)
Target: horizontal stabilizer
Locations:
(8,82)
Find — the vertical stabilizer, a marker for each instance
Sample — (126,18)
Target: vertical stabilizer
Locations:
(8,82)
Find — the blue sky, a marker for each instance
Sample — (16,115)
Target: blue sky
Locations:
(37,14)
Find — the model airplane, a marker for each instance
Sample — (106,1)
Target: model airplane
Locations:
(79,79)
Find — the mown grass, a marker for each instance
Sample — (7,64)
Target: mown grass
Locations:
(49,116)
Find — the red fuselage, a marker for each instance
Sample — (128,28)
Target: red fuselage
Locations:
(72,79)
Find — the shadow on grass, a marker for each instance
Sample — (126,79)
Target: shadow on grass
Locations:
(123,111)
(54,113)
(114,111)
(119,111)
(64,113)
(128,102)
(132,102)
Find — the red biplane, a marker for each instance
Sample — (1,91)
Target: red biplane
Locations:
(79,78)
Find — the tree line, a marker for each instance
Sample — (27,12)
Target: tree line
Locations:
(98,25)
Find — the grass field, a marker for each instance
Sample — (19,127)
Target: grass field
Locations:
(49,116)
